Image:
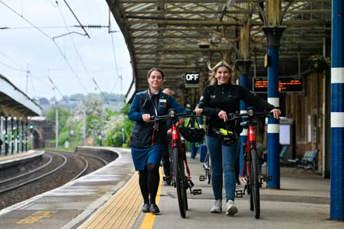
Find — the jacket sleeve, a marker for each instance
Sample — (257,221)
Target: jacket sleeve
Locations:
(205,104)
(135,113)
(255,101)
(174,104)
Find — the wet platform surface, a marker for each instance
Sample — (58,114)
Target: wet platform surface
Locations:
(302,202)
(72,203)
(110,198)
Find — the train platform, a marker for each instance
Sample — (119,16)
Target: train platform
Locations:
(71,204)
(19,157)
(110,198)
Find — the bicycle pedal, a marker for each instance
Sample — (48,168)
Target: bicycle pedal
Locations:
(190,183)
(201,178)
(239,193)
(266,178)
(205,167)
(196,192)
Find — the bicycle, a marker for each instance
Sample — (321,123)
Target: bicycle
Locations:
(251,172)
(179,180)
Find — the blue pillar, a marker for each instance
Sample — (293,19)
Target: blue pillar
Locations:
(273,35)
(244,67)
(337,112)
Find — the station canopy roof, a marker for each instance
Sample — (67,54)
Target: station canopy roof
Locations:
(14,102)
(182,36)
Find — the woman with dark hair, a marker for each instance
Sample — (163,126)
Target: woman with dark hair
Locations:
(149,139)
(220,98)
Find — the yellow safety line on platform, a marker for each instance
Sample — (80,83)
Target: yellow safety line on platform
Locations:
(121,211)
(149,219)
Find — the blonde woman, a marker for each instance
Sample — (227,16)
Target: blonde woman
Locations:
(220,98)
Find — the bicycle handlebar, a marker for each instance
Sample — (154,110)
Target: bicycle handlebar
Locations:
(249,114)
(173,115)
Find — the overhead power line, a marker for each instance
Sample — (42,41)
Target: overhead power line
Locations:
(81,59)
(83,28)
(12,67)
(57,89)
(50,38)
(59,27)
(20,15)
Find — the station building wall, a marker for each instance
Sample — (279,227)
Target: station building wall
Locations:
(307,108)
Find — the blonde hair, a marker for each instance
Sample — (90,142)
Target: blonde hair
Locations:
(212,79)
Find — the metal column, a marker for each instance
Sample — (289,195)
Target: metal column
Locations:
(1,134)
(22,136)
(337,111)
(17,137)
(273,35)
(6,136)
(12,136)
(26,136)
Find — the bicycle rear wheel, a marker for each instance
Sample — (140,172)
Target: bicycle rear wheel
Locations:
(178,170)
(255,183)
(249,185)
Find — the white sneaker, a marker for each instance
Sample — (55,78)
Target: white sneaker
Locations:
(230,208)
(217,208)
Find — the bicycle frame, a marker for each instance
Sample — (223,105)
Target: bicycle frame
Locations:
(250,144)
(176,143)
(181,181)
(251,170)
(176,140)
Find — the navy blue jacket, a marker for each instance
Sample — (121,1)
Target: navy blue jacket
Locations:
(143,103)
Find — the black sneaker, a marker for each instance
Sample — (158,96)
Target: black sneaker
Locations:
(154,209)
(145,208)
(167,180)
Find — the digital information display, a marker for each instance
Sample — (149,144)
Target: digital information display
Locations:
(284,85)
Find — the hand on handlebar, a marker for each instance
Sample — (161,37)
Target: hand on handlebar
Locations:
(198,111)
(223,115)
(146,117)
(276,113)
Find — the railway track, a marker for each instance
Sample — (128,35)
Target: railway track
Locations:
(26,178)
(57,169)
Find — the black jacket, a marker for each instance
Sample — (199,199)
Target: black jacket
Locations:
(227,98)
(143,103)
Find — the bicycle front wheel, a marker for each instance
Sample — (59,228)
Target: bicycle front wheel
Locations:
(255,185)
(178,170)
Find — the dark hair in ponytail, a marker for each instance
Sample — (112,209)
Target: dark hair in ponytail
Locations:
(155,69)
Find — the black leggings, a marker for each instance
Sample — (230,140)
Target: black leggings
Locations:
(166,163)
(149,183)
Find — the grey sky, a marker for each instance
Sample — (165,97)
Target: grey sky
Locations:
(22,48)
